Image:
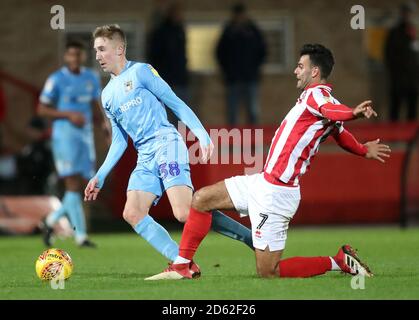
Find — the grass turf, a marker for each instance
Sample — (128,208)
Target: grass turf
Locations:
(117,268)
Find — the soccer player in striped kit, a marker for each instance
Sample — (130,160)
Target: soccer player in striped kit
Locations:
(271,198)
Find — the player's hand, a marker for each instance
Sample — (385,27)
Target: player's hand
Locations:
(377,151)
(207,151)
(91,191)
(77,119)
(364,109)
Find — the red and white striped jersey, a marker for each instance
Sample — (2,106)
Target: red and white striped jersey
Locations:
(297,139)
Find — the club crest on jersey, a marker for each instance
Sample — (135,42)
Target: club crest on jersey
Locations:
(128,86)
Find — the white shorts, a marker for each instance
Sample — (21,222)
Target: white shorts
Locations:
(270,208)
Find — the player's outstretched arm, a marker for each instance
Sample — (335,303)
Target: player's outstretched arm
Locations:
(340,112)
(116,150)
(364,109)
(377,150)
(370,150)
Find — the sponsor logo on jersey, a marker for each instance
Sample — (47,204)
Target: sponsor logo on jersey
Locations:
(128,105)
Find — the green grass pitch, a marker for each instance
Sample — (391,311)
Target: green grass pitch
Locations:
(117,268)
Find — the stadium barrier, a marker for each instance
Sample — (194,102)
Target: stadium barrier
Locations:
(23,214)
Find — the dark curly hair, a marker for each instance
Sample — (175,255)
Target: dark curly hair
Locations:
(320,57)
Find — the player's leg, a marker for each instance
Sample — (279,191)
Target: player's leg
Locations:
(270,209)
(200,218)
(267,262)
(66,149)
(174,172)
(269,248)
(73,203)
(81,156)
(180,198)
(53,217)
(346,260)
(229,227)
(136,214)
(144,190)
(196,228)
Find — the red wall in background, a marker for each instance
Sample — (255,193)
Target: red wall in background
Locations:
(339,187)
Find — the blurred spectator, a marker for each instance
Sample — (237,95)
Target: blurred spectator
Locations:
(35,163)
(241,51)
(2,114)
(402,65)
(166,51)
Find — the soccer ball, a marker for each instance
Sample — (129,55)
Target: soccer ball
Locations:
(53,263)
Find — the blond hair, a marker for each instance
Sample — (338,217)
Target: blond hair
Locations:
(112,31)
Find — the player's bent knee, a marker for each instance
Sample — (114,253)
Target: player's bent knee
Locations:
(199,200)
(266,272)
(132,217)
(181,214)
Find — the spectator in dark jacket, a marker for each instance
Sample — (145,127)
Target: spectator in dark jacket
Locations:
(35,162)
(240,52)
(167,51)
(402,64)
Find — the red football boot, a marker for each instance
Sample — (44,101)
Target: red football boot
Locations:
(349,262)
(176,272)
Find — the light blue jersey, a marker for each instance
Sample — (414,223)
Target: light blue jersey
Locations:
(73,147)
(135,103)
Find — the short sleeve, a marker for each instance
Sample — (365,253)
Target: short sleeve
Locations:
(50,92)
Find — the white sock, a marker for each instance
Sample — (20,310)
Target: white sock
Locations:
(335,267)
(80,239)
(50,220)
(180,260)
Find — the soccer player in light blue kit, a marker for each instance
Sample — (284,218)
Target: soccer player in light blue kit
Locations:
(134,100)
(67,98)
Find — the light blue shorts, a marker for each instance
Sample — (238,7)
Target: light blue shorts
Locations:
(74,154)
(167,166)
